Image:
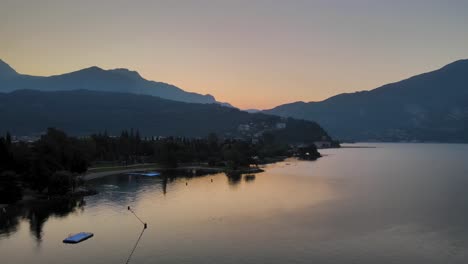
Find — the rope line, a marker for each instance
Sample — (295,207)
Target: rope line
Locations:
(134,247)
(136,216)
(139,238)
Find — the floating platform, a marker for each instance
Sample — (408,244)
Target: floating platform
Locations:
(77,238)
(146,174)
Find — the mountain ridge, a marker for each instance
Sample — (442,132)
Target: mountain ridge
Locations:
(83,112)
(98,79)
(6,71)
(431,106)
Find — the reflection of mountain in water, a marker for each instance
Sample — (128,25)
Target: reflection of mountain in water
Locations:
(37,213)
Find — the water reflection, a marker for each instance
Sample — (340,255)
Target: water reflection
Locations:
(392,204)
(234,178)
(36,214)
(249,178)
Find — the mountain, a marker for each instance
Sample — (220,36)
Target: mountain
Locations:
(6,71)
(83,112)
(97,79)
(252,110)
(429,107)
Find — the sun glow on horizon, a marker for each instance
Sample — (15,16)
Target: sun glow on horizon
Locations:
(251,54)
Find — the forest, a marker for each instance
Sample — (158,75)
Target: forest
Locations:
(53,163)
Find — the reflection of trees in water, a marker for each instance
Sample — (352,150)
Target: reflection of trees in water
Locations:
(37,213)
(9,221)
(249,178)
(121,188)
(169,176)
(234,178)
(164,185)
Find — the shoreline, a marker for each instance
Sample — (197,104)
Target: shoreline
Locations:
(82,191)
(184,169)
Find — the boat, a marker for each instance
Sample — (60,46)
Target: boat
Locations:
(77,238)
(146,174)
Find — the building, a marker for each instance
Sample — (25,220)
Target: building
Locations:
(280,125)
(243,127)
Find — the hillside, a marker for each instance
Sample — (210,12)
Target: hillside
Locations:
(83,112)
(428,107)
(97,79)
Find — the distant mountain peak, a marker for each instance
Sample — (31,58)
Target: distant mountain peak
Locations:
(127,72)
(457,64)
(6,71)
(92,69)
(86,72)
(431,106)
(97,79)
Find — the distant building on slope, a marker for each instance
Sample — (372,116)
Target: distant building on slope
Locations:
(280,125)
(243,127)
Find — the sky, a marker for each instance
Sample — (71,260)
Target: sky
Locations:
(251,53)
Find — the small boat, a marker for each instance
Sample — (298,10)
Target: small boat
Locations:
(147,174)
(77,238)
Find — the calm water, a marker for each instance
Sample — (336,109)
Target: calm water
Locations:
(397,203)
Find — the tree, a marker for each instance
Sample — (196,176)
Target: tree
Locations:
(8,138)
(10,190)
(308,152)
(61,182)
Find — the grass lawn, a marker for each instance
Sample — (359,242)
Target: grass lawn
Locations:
(116,168)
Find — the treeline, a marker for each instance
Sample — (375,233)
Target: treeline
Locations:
(53,162)
(130,148)
(30,111)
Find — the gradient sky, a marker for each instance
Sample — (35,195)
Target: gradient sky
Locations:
(253,54)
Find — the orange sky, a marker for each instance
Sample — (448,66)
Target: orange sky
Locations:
(253,54)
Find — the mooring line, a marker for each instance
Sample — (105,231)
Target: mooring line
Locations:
(139,238)
(144,224)
(134,247)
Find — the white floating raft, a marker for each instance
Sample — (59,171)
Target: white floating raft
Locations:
(146,174)
(77,238)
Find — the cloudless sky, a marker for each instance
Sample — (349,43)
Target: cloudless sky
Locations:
(251,53)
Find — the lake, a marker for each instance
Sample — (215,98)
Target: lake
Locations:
(393,203)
